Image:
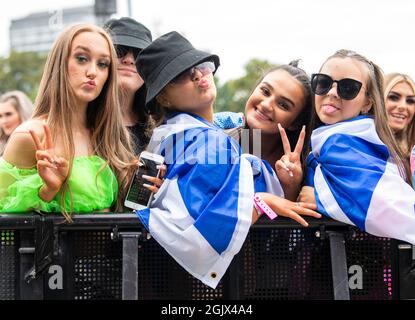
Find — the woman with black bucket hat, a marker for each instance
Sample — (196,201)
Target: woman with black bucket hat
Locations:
(203,211)
(129,38)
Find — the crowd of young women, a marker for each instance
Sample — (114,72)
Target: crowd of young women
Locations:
(338,144)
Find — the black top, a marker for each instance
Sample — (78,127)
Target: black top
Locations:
(140,140)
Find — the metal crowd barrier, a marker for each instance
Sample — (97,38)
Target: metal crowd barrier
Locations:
(111,256)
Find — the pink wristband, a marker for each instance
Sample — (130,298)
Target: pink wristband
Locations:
(263,207)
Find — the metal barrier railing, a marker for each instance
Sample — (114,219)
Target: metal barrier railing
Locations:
(111,256)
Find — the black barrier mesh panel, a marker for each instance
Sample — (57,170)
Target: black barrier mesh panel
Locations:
(287,264)
(276,264)
(161,277)
(98,266)
(370,257)
(8,267)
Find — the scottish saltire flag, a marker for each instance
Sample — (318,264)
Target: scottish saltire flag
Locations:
(355,180)
(229,120)
(202,213)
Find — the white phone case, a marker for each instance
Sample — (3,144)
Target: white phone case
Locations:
(158,159)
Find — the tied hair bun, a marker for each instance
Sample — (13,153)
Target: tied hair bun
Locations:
(294,63)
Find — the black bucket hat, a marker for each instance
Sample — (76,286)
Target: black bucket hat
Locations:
(167,57)
(128,32)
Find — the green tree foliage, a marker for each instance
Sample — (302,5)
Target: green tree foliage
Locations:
(21,71)
(232,95)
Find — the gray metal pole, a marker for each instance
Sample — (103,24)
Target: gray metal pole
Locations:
(130,267)
(130,12)
(339,266)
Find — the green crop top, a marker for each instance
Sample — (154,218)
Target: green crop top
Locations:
(90,190)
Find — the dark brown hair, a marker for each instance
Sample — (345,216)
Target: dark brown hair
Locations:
(304,117)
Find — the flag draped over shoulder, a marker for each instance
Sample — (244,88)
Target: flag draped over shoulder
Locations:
(356,181)
(202,213)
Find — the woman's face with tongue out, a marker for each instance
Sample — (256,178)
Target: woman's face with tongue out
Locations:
(330,107)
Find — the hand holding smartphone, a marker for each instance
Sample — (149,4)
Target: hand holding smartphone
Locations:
(138,196)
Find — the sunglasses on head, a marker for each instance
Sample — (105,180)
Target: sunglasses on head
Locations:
(347,89)
(122,51)
(204,68)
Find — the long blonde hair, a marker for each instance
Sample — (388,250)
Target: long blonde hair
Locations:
(375,95)
(56,101)
(406,139)
(23,106)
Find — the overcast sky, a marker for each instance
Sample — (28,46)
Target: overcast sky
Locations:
(276,30)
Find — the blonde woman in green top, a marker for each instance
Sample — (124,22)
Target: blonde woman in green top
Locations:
(75,154)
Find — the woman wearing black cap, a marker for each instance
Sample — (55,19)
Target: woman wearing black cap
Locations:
(202,212)
(129,38)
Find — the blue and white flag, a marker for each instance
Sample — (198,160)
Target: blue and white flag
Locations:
(202,213)
(229,120)
(356,181)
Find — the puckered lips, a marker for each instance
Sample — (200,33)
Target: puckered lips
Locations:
(89,85)
(203,84)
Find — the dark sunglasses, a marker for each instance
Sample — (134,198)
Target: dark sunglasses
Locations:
(347,89)
(122,51)
(204,68)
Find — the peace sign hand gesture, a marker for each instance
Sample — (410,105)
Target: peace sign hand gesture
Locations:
(52,169)
(288,168)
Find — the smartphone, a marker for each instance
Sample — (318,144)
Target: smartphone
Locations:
(138,196)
